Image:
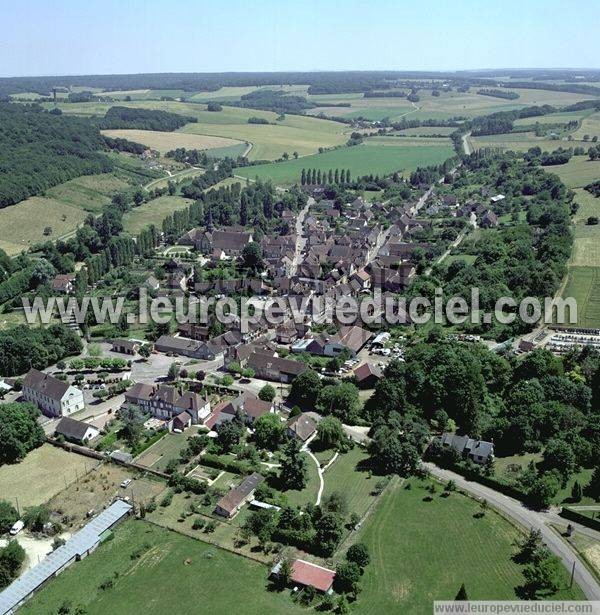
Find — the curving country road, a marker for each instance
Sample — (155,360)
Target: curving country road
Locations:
(529,519)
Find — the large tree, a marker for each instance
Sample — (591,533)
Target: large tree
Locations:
(269,431)
(305,389)
(19,431)
(294,470)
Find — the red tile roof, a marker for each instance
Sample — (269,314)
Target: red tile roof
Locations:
(318,577)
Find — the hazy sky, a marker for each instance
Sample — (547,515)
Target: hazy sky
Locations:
(41,37)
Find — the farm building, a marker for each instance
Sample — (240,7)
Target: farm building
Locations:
(80,545)
(309,575)
(230,503)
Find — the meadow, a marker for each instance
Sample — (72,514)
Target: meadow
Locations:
(365,159)
(423,551)
(447,105)
(45,471)
(578,172)
(23,224)
(64,207)
(152,212)
(153,570)
(520,142)
(589,126)
(269,141)
(166,141)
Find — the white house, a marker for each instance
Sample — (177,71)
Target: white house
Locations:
(52,396)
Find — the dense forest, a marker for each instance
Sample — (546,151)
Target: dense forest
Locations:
(144,119)
(496,93)
(39,149)
(319,82)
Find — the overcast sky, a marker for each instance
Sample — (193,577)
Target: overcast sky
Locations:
(66,37)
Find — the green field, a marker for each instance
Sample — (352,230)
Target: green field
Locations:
(269,141)
(445,106)
(360,159)
(173,574)
(152,212)
(346,477)
(578,172)
(520,142)
(422,551)
(553,118)
(583,283)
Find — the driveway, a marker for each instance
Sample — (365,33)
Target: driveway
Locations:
(528,519)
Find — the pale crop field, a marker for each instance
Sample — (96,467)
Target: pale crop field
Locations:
(590,126)
(41,475)
(166,141)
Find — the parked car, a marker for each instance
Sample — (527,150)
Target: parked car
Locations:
(17,527)
(125,483)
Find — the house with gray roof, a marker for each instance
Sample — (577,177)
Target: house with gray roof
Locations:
(478,451)
(52,396)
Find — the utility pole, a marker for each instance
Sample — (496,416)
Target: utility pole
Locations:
(572,575)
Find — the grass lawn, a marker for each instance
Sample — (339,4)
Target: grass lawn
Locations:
(152,212)
(41,475)
(309,493)
(173,574)
(423,551)
(160,453)
(360,159)
(166,141)
(346,477)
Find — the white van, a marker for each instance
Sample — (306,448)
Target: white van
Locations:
(17,527)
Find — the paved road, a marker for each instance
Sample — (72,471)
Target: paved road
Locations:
(528,519)
(466,144)
(300,239)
